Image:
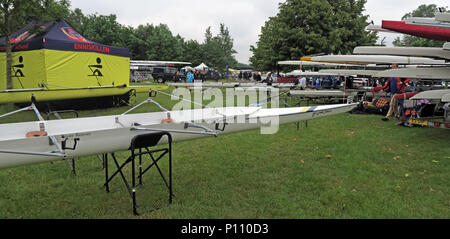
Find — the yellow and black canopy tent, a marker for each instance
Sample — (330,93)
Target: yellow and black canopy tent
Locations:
(55,60)
(59,57)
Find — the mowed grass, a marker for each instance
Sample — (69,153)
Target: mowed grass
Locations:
(343,166)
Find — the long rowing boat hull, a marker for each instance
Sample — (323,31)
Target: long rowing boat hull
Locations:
(146,88)
(349,72)
(427,22)
(431,73)
(106,134)
(323,93)
(433,52)
(233,85)
(419,29)
(443,95)
(377,59)
(24,95)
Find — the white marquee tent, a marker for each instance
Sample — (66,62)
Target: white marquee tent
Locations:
(201,67)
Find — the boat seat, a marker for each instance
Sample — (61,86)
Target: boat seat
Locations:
(33,134)
(146,140)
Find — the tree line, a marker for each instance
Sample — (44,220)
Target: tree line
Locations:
(156,42)
(306,27)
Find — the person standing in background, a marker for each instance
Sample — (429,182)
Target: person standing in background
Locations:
(190,77)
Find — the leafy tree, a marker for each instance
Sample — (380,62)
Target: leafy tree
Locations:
(163,45)
(76,18)
(407,40)
(16,13)
(193,52)
(265,53)
(145,41)
(156,43)
(218,50)
(305,27)
(51,10)
(103,29)
(226,48)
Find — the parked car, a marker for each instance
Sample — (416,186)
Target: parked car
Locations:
(159,74)
(163,74)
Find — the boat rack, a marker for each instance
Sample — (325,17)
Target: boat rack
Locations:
(285,96)
(57,114)
(139,148)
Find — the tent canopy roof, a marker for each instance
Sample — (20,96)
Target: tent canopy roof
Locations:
(201,66)
(57,35)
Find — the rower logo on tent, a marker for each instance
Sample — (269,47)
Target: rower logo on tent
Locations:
(95,69)
(17,70)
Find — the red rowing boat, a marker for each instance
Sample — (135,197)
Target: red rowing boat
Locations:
(434,33)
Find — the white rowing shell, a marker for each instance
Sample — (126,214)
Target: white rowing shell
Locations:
(434,52)
(113,133)
(322,93)
(378,59)
(430,22)
(442,95)
(436,73)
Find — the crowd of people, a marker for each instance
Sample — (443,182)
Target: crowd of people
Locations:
(322,82)
(196,74)
(249,76)
(330,82)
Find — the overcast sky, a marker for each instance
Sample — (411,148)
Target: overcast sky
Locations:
(244,18)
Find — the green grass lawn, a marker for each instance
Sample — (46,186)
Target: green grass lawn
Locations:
(343,166)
